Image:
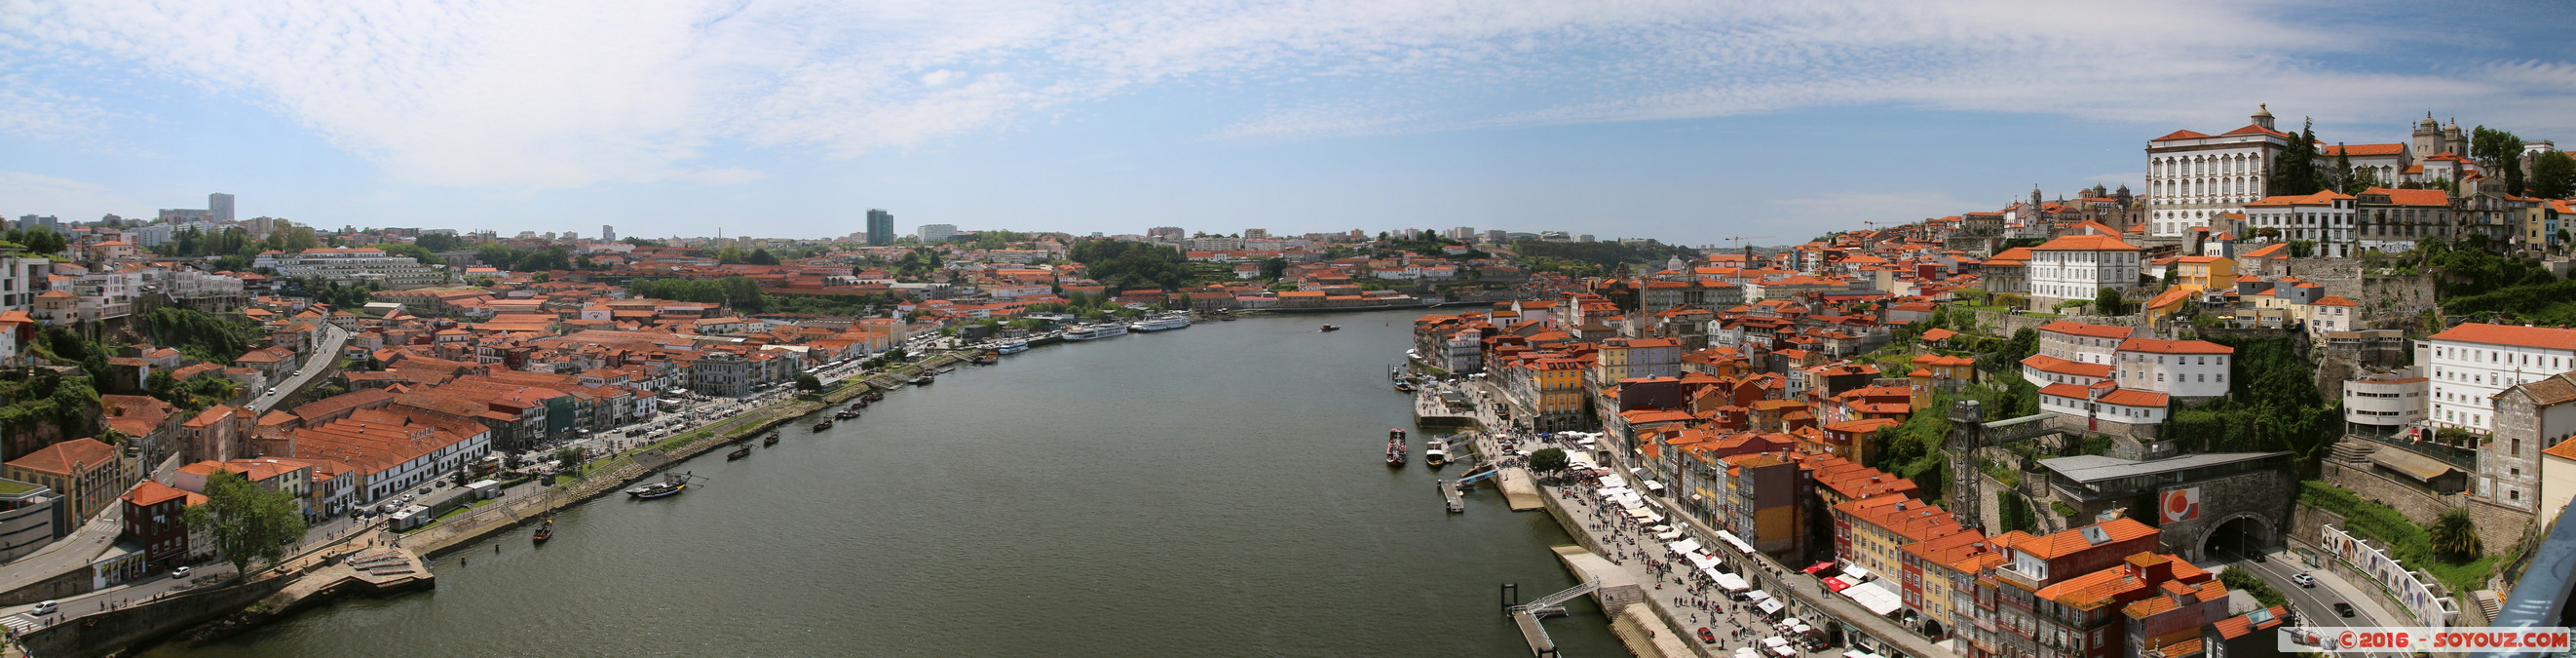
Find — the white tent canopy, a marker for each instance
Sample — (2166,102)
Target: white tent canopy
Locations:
(1875,597)
(1684,546)
(1732,540)
(1730,582)
(1757,595)
(1852,573)
(1768,606)
(1700,560)
(1613,482)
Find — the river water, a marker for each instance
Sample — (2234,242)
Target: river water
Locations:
(1217,490)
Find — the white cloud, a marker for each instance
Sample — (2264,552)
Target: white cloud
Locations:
(568,93)
(25,193)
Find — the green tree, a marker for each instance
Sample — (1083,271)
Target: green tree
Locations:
(41,240)
(2498,150)
(2553,175)
(1547,460)
(2455,535)
(439,242)
(249,523)
(2109,302)
(760,257)
(808,383)
(2294,171)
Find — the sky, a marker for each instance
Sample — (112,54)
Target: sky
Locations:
(1690,121)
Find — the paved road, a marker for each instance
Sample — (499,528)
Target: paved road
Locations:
(2315,605)
(19,619)
(333,340)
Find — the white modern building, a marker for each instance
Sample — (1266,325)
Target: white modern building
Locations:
(937,232)
(355,266)
(2471,363)
(2079,267)
(2191,176)
(2386,403)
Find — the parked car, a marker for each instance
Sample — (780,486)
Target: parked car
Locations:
(2342,608)
(180,573)
(2304,580)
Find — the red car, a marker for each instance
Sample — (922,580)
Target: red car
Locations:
(1707,637)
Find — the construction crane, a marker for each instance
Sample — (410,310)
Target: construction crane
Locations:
(1748,249)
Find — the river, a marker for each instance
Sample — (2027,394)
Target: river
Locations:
(1216,490)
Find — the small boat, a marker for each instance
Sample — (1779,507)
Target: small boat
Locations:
(1395,452)
(770,440)
(825,425)
(739,452)
(1435,454)
(545,531)
(987,358)
(1332,327)
(1404,386)
(872,396)
(671,485)
(846,414)
(924,380)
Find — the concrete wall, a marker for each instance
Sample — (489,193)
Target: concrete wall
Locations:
(2265,495)
(119,629)
(2500,528)
(62,586)
(2414,502)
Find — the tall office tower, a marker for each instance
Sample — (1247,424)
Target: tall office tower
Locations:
(880,226)
(221,205)
(607,233)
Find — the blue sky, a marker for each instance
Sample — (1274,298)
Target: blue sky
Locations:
(1688,121)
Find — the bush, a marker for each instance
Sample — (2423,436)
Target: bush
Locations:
(2251,585)
(2403,538)
(1547,460)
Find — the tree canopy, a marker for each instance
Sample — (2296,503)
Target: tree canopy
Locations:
(1122,265)
(249,523)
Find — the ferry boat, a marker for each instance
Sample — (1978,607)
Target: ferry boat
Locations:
(1435,454)
(671,485)
(545,531)
(1013,346)
(1096,331)
(1164,322)
(825,425)
(1395,452)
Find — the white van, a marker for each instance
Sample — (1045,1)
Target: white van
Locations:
(43,608)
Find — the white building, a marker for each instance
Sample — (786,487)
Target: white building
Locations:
(355,265)
(2325,218)
(2386,403)
(2083,343)
(2473,362)
(2386,163)
(937,232)
(2191,176)
(2079,267)
(2181,368)
(2104,403)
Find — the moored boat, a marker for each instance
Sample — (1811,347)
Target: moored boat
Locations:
(1096,331)
(872,395)
(1163,322)
(925,379)
(671,485)
(545,531)
(1435,453)
(1395,452)
(771,440)
(1404,386)
(739,452)
(846,414)
(825,425)
(1332,327)
(1011,346)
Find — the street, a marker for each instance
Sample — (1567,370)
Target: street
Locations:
(334,339)
(2314,607)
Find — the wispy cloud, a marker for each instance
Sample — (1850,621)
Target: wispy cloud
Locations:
(541,95)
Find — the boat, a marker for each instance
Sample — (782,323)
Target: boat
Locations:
(987,357)
(545,530)
(924,380)
(846,414)
(825,425)
(1395,452)
(739,452)
(771,440)
(1163,322)
(1435,453)
(671,485)
(1332,327)
(872,395)
(1011,346)
(1395,434)
(1404,386)
(1096,331)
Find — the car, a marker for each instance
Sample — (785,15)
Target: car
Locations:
(2305,580)
(2342,608)
(45,607)
(180,573)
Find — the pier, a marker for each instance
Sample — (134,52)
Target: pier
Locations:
(1457,502)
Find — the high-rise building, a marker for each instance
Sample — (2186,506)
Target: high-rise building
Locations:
(33,221)
(880,226)
(221,205)
(1462,233)
(937,232)
(1256,234)
(1496,236)
(607,233)
(1169,232)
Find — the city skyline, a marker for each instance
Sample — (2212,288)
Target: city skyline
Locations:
(1685,123)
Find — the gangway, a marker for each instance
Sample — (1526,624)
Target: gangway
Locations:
(1554,604)
(1526,617)
(1482,471)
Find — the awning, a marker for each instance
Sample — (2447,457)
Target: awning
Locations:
(1784,652)
(1757,595)
(1648,517)
(1652,485)
(1729,582)
(1613,482)
(1683,546)
(1768,606)
(1668,535)
(1775,641)
(1731,540)
(1852,573)
(1835,584)
(1820,566)
(1746,652)
(2412,465)
(1700,560)
(1875,597)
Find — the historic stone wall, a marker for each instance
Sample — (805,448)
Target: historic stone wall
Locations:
(2414,502)
(2263,494)
(2384,298)
(2500,528)
(115,630)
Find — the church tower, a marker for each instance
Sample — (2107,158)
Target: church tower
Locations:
(2263,115)
(2428,138)
(2453,141)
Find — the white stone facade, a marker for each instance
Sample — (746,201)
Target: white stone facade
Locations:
(2471,363)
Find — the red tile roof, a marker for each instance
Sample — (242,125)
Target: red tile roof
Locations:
(2506,334)
(2155,346)
(59,458)
(2085,243)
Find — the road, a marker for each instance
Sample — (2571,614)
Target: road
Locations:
(2315,605)
(334,339)
(18,618)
